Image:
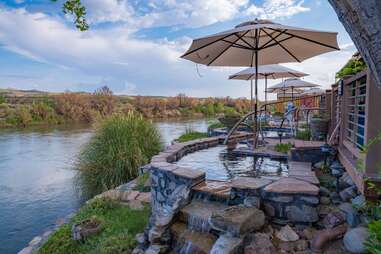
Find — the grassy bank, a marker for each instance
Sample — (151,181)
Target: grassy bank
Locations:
(119,223)
(30,108)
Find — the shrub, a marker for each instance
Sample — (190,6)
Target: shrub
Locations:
(215,125)
(303,134)
(43,112)
(190,134)
(283,147)
(373,243)
(2,99)
(120,145)
(120,225)
(20,117)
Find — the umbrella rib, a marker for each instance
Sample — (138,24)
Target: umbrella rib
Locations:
(276,43)
(280,33)
(242,39)
(284,48)
(238,45)
(206,45)
(293,74)
(306,39)
(218,55)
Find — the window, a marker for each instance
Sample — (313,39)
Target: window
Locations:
(355,126)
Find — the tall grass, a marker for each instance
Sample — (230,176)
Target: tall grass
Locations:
(120,145)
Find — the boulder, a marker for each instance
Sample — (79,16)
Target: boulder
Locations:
(252,202)
(238,220)
(302,214)
(287,234)
(351,214)
(354,240)
(260,244)
(346,181)
(334,219)
(359,201)
(227,244)
(348,193)
(323,191)
(325,200)
(299,245)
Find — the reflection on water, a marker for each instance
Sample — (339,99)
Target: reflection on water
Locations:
(220,165)
(36,177)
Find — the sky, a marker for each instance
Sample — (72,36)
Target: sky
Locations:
(134,46)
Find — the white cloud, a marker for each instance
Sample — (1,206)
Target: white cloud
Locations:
(188,13)
(273,9)
(128,65)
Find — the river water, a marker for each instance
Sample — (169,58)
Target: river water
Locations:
(37,172)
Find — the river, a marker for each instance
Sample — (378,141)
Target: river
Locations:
(37,172)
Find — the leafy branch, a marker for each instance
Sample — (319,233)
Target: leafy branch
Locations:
(78,10)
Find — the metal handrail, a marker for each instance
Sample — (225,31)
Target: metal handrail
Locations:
(263,109)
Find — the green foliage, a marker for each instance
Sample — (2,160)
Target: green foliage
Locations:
(303,134)
(2,99)
(352,67)
(372,209)
(120,145)
(373,244)
(283,147)
(141,183)
(191,134)
(120,224)
(78,10)
(215,125)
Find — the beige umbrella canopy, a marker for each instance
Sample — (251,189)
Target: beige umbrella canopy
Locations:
(313,91)
(272,71)
(291,83)
(260,42)
(275,43)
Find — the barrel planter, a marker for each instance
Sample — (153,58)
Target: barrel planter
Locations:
(319,128)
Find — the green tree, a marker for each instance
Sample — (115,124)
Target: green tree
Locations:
(78,10)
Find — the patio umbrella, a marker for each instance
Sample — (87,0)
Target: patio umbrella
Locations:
(291,83)
(313,91)
(272,71)
(260,42)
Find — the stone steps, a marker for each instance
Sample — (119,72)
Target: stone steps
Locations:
(186,241)
(302,171)
(196,215)
(213,191)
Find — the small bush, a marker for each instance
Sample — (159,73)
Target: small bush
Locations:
(303,135)
(215,125)
(283,148)
(191,135)
(373,244)
(120,145)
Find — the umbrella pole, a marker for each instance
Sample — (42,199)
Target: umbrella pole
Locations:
(251,95)
(266,94)
(292,94)
(256,101)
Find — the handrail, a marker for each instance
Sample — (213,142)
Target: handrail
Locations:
(232,130)
(238,124)
(333,134)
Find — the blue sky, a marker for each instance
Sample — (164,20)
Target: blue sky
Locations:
(134,46)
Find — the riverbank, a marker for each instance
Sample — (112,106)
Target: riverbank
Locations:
(123,212)
(34,108)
